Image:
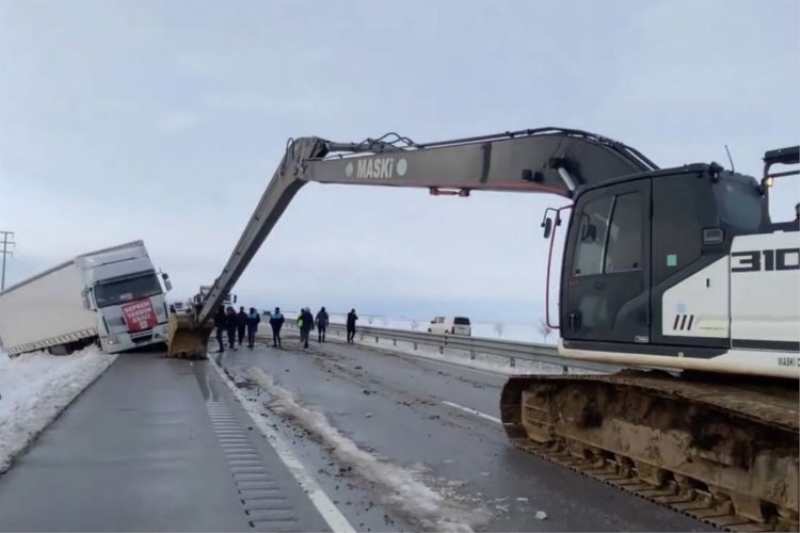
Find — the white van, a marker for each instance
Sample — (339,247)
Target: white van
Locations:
(450,325)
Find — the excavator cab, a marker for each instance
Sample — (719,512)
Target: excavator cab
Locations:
(678,269)
(642,272)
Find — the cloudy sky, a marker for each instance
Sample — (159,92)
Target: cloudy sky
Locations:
(164,121)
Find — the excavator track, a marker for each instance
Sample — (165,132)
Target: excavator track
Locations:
(722,453)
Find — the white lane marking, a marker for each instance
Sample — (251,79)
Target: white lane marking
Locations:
(330,513)
(473,412)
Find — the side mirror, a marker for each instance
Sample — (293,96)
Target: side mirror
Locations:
(234,298)
(548,227)
(168,284)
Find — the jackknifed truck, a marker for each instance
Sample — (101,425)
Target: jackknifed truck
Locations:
(112,298)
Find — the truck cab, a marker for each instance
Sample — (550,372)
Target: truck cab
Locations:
(124,289)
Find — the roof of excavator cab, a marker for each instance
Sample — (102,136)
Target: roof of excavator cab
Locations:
(691,168)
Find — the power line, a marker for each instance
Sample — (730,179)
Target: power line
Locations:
(6,243)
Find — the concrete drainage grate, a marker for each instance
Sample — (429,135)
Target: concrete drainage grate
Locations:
(263,501)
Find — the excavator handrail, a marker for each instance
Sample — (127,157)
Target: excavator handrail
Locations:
(368,145)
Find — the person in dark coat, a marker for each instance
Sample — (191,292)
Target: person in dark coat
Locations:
(276,322)
(253,318)
(231,321)
(308,325)
(221,323)
(241,324)
(351,326)
(322,324)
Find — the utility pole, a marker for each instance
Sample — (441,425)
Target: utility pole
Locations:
(6,243)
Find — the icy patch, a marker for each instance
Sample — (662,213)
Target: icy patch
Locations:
(35,388)
(396,486)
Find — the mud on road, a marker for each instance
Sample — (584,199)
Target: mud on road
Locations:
(395,457)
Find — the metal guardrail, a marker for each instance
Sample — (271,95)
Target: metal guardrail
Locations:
(512,350)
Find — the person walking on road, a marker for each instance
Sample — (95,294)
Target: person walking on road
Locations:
(276,322)
(351,326)
(305,323)
(299,322)
(221,323)
(230,322)
(253,318)
(322,324)
(241,324)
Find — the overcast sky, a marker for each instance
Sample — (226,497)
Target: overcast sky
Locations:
(164,121)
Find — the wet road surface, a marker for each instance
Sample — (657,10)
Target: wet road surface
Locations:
(416,414)
(154,445)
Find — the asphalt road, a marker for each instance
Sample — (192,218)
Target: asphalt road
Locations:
(154,444)
(440,422)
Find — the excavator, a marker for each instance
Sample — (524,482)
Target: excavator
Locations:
(677,275)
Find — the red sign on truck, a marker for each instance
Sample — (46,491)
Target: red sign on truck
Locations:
(139,315)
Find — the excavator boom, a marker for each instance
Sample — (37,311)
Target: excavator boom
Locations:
(546,160)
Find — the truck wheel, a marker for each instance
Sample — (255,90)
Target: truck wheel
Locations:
(59,349)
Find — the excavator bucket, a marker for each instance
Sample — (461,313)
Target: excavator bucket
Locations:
(185,338)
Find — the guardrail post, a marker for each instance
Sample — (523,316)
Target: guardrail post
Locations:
(415,346)
(513,362)
(376,339)
(441,349)
(394,342)
(472,354)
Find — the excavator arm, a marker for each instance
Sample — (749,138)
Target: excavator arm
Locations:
(546,160)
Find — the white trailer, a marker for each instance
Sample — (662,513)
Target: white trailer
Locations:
(110,297)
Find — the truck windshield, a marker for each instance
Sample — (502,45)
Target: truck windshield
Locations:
(740,204)
(126,290)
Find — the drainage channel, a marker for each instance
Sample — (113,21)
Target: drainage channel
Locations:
(264,503)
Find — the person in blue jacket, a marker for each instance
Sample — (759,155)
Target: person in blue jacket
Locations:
(253,318)
(276,322)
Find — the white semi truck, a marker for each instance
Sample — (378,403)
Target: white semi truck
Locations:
(111,297)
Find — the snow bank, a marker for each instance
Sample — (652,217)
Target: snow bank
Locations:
(395,486)
(35,388)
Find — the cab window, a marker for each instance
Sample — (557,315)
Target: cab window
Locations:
(591,238)
(624,251)
(740,204)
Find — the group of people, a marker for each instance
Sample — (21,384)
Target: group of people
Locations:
(228,320)
(306,322)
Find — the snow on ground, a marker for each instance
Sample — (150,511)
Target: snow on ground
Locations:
(35,388)
(399,487)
